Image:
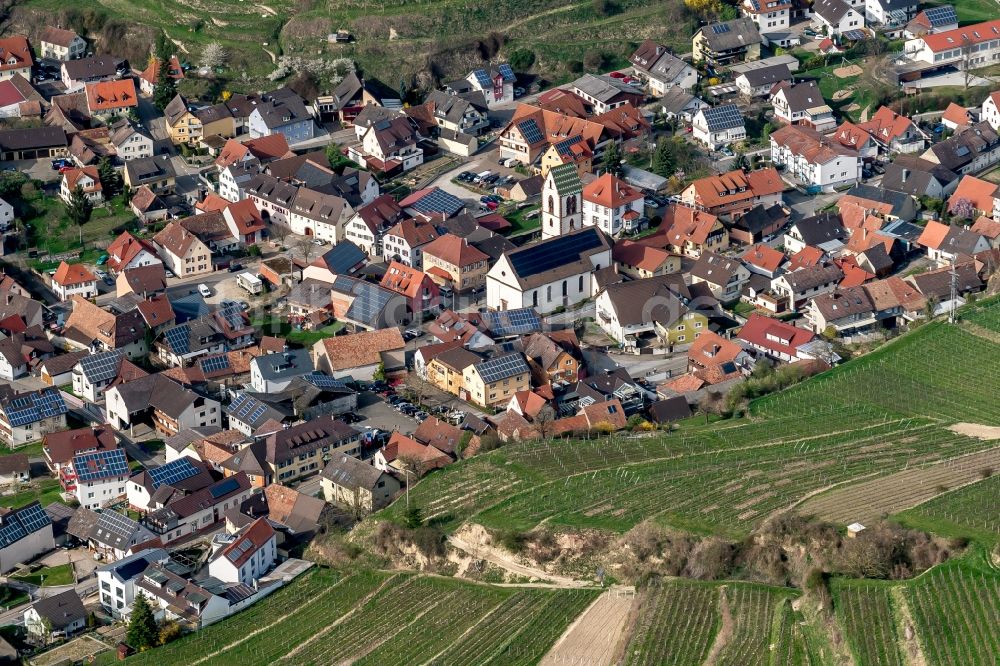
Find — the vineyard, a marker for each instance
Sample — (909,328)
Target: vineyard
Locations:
(378,618)
(972,511)
(688,622)
(865,612)
(874,431)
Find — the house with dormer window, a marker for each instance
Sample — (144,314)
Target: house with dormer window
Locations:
(389,146)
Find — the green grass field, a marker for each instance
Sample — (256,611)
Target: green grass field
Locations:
(50,576)
(379,617)
(45,491)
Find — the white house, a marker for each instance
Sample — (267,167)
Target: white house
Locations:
(92,374)
(972,46)
(233,179)
(273,197)
(612,205)
(27,417)
(25,533)
(115,534)
(892,14)
(130,142)
(662,69)
(319,215)
(405,242)
(496,83)
(249,554)
(6,215)
(74,280)
(771,16)
(87,179)
(835,17)
(552,273)
(171,406)
(719,126)
(990,112)
(100,477)
(272,373)
(389,145)
(59,44)
(57,616)
(802,104)
(116,581)
(814,159)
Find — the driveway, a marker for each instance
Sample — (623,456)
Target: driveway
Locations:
(378,414)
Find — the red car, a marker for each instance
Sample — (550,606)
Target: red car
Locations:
(617,75)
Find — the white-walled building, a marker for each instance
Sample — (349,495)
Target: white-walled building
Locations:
(319,215)
(25,534)
(719,126)
(973,46)
(770,15)
(116,581)
(6,215)
(835,17)
(990,112)
(74,280)
(612,205)
(272,373)
(562,204)
(100,477)
(249,555)
(558,272)
(814,159)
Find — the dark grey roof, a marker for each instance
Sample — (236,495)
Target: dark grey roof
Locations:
(843,303)
(831,10)
(343,257)
(62,609)
(730,35)
(560,257)
(114,530)
(902,204)
(279,365)
(33,137)
(913,175)
(282,107)
(820,228)
(715,268)
(604,88)
(877,257)
(810,277)
(348,90)
(319,206)
(767,75)
(960,150)
(128,568)
(147,169)
(804,95)
(181,440)
(101,367)
(272,190)
(759,218)
(671,409)
(349,472)
(157,391)
(655,299)
(98,67)
(82,523)
(937,283)
(453,108)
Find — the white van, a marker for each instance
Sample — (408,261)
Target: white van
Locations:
(204,290)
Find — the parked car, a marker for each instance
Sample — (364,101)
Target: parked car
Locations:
(518,91)
(204,290)
(233,267)
(421,415)
(413,332)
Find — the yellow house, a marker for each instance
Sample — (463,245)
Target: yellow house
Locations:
(450,259)
(183,252)
(684,330)
(571,151)
(493,382)
(186,124)
(446,370)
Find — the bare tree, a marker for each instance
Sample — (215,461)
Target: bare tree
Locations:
(304,248)
(543,422)
(710,403)
(214,55)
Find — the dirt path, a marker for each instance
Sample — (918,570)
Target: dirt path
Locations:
(725,631)
(594,638)
(981,332)
(274,58)
(179,44)
(482,551)
(532,17)
(908,640)
(976,430)
(266,9)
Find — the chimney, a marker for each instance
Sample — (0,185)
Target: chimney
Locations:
(906,173)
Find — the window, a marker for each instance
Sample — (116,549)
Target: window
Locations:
(681,338)
(552,206)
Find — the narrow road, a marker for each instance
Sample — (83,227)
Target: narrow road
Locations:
(504,562)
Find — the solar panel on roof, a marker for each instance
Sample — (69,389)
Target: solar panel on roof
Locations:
(513,322)
(723,117)
(178,338)
(224,488)
(854,35)
(483,78)
(941,15)
(100,465)
(102,366)
(233,315)
(35,406)
(720,28)
(370,301)
(506,72)
(501,367)
(319,380)
(256,414)
(116,525)
(530,130)
(33,517)
(172,472)
(553,253)
(438,201)
(215,363)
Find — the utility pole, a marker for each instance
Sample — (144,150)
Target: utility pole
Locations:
(954,292)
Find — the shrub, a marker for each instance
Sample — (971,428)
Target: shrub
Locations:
(521,60)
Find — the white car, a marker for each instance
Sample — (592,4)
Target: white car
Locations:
(204,290)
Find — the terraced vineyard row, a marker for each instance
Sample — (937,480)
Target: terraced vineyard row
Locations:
(726,491)
(987,316)
(957,611)
(677,623)
(866,614)
(972,511)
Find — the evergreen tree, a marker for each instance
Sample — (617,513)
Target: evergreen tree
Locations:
(79,209)
(612,159)
(142,631)
(165,88)
(111,180)
(663,159)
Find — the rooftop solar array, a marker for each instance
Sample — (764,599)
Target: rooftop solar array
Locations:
(530,131)
(215,363)
(722,117)
(370,301)
(506,72)
(319,380)
(20,523)
(438,201)
(224,487)
(179,338)
(501,367)
(720,28)
(483,78)
(233,315)
(172,472)
(243,407)
(939,16)
(553,253)
(854,35)
(236,553)
(101,367)
(512,322)
(100,465)
(35,406)
(114,528)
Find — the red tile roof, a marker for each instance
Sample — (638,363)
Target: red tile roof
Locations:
(764,257)
(111,95)
(967,36)
(643,257)
(70,274)
(125,248)
(73,177)
(152,73)
(15,53)
(806,257)
(455,251)
(957,115)
(610,192)
(774,335)
(933,235)
(245,216)
(887,125)
(403,279)
(248,542)
(980,193)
